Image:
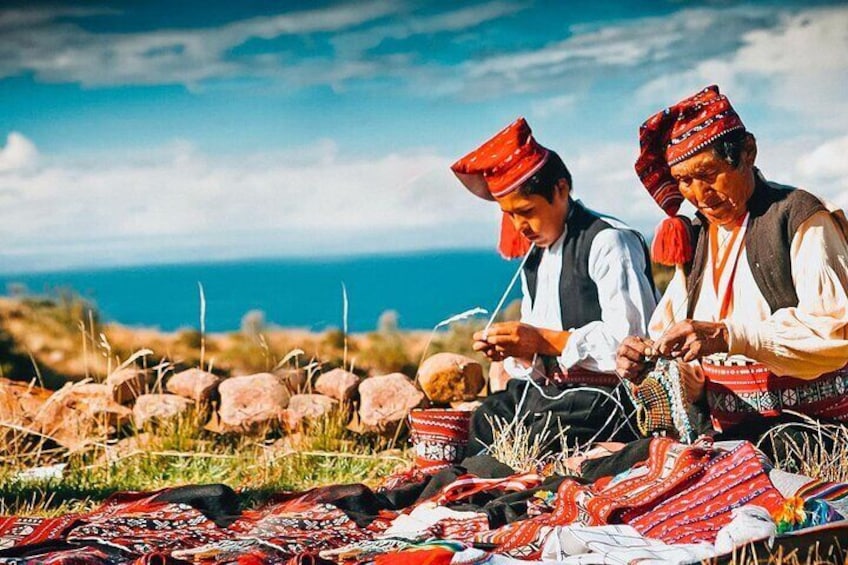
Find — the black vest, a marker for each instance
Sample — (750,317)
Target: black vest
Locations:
(578,293)
(776,213)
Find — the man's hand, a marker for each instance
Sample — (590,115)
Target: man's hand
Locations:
(514,339)
(690,340)
(631,357)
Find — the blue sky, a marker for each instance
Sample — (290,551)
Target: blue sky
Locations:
(139,132)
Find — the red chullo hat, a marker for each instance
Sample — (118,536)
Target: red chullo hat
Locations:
(499,167)
(670,137)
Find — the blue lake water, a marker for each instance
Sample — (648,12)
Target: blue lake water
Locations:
(423,288)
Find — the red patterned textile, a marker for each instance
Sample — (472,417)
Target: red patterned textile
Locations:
(439,436)
(467,485)
(499,167)
(136,524)
(692,486)
(19,530)
(503,163)
(696,513)
(738,389)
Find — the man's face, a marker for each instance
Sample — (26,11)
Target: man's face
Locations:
(716,188)
(537,219)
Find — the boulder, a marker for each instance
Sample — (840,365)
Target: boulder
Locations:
(386,400)
(251,401)
(127,384)
(194,384)
(20,402)
(159,408)
(311,406)
(81,414)
(449,377)
(339,384)
(498,377)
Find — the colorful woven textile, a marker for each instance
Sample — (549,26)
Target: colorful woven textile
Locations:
(681,494)
(17,530)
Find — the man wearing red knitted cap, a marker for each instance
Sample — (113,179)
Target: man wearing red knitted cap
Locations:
(758,308)
(586,285)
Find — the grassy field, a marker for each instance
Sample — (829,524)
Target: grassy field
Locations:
(53,340)
(50,341)
(183,453)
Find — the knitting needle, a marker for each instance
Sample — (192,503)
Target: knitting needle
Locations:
(506,293)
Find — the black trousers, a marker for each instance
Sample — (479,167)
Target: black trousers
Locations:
(582,414)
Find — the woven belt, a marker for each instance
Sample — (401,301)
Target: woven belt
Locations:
(737,389)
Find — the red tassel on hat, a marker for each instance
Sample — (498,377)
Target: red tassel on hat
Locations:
(672,243)
(512,244)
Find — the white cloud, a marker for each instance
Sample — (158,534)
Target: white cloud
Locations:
(650,46)
(179,203)
(554,106)
(824,170)
(799,65)
(452,21)
(827,161)
(18,153)
(59,51)
(62,51)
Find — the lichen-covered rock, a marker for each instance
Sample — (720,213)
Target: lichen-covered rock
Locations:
(311,406)
(195,384)
(251,401)
(339,384)
(449,377)
(19,401)
(81,414)
(127,384)
(159,408)
(386,400)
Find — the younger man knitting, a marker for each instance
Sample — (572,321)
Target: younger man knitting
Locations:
(586,285)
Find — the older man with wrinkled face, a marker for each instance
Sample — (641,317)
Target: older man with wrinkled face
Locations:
(757,312)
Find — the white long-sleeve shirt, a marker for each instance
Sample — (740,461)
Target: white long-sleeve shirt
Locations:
(627,299)
(803,341)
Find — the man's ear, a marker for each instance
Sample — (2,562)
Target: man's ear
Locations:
(749,151)
(563,187)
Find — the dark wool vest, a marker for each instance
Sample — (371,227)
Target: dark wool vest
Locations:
(776,213)
(577,291)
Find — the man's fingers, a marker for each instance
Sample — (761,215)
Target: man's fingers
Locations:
(629,369)
(693,351)
(502,339)
(630,353)
(481,345)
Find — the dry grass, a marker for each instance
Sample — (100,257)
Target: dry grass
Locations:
(820,452)
(514,444)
